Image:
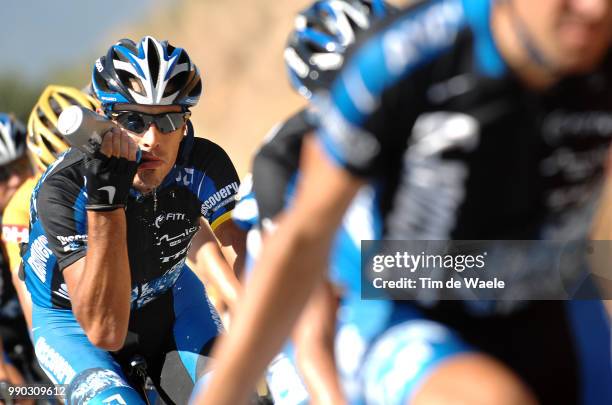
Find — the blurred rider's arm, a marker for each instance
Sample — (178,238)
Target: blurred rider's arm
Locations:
(99,284)
(314,343)
(314,334)
(276,296)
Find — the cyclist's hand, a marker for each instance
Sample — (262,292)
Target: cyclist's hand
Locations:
(118,143)
(110,171)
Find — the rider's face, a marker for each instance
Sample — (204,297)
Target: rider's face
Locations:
(159,150)
(572,34)
(12,175)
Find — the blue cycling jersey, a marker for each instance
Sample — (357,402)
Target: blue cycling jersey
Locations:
(426,107)
(160,225)
(458,146)
(172,323)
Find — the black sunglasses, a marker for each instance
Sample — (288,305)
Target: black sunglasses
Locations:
(138,122)
(20,166)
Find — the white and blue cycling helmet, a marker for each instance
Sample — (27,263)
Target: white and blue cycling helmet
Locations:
(322,32)
(151,72)
(12,139)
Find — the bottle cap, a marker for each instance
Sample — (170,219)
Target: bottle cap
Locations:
(70,120)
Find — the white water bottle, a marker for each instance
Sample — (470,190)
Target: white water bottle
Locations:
(83,128)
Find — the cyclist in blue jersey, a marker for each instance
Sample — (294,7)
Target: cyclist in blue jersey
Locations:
(109,236)
(462,112)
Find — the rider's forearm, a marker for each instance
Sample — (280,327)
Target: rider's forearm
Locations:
(101,301)
(233,245)
(316,364)
(272,302)
(211,261)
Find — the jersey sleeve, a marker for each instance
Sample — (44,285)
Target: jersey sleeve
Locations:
(218,184)
(62,218)
(245,214)
(276,164)
(271,180)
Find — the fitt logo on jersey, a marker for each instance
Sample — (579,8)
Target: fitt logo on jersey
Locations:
(170,216)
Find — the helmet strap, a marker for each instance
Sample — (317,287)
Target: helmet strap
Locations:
(186,145)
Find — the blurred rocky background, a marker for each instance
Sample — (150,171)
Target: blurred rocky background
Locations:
(237,45)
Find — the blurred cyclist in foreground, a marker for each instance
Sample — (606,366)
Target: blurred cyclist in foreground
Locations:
(109,236)
(477,121)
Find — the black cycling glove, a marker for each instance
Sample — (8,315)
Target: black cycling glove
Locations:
(108,181)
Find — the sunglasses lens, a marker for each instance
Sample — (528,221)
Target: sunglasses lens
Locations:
(133,122)
(170,122)
(139,122)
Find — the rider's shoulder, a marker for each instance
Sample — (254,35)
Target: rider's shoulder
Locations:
(287,134)
(65,174)
(70,161)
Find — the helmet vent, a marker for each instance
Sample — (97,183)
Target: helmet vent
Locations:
(132,82)
(120,56)
(197,89)
(176,83)
(153,59)
(100,82)
(50,146)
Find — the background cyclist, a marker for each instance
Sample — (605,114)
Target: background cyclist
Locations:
(15,168)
